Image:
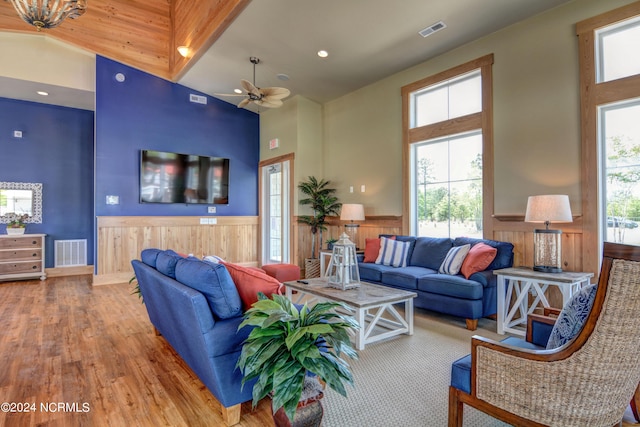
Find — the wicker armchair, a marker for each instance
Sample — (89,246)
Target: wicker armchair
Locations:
(587,382)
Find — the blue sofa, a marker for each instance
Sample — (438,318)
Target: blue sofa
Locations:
(471,298)
(195,306)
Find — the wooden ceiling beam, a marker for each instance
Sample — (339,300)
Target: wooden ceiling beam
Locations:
(143,34)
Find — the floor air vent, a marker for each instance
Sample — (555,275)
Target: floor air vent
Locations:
(70,253)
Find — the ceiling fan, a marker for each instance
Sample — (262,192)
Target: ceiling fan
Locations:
(270,97)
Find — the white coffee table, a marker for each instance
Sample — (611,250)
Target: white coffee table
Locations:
(368,303)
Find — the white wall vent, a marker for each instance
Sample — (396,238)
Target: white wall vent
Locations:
(70,253)
(432,29)
(198,99)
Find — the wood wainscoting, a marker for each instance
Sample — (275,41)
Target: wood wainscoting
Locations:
(372,226)
(120,239)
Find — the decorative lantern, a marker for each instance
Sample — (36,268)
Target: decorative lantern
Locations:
(342,272)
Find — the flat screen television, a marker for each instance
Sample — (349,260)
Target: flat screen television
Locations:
(183,178)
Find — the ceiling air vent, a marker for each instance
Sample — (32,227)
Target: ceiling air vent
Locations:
(432,29)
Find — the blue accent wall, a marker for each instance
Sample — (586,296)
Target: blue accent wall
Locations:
(146,112)
(56,149)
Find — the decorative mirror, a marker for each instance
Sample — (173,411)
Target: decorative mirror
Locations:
(21,198)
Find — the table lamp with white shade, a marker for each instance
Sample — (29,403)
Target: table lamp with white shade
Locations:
(352,212)
(547,244)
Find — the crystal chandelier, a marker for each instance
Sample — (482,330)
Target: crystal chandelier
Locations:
(48,13)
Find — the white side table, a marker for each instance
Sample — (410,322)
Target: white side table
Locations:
(519,281)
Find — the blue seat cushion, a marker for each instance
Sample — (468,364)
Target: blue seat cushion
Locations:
(370,272)
(461,368)
(454,286)
(166,262)
(406,277)
(215,283)
(429,252)
(149,256)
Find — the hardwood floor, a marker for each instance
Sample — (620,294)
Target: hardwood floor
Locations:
(93,351)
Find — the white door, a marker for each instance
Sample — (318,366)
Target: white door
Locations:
(275,213)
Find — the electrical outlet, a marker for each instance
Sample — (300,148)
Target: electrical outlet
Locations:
(211,209)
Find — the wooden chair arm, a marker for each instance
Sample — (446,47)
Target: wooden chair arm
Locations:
(548,311)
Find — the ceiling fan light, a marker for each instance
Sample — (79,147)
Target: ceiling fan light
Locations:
(48,13)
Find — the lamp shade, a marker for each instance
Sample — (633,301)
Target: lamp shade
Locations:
(548,209)
(352,212)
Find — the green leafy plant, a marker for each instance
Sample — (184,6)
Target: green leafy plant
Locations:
(330,242)
(136,288)
(287,344)
(16,221)
(322,201)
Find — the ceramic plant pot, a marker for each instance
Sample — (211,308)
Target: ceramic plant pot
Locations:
(15,230)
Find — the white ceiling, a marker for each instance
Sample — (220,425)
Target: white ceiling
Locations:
(367,40)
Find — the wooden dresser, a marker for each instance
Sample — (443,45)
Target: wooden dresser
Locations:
(22,256)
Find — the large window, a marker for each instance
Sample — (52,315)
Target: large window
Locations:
(448,139)
(610,107)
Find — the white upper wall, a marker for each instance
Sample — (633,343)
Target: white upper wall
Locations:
(35,62)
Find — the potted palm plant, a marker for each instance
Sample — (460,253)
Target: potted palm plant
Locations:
(290,349)
(323,202)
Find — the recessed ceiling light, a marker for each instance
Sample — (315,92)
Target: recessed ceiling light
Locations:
(323,53)
(282,77)
(42,93)
(183,50)
(237,90)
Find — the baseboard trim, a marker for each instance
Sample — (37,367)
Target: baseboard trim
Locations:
(69,271)
(112,279)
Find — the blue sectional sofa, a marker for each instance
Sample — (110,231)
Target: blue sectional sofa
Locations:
(195,306)
(471,298)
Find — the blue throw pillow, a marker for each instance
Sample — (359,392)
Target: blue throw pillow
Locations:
(572,317)
(149,256)
(393,252)
(166,263)
(215,283)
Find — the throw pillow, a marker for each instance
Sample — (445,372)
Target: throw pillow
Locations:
(214,259)
(454,259)
(215,283)
(572,317)
(393,252)
(478,259)
(250,281)
(372,249)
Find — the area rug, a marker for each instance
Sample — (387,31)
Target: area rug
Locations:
(404,381)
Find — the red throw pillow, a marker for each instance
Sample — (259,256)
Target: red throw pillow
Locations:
(478,259)
(250,281)
(372,248)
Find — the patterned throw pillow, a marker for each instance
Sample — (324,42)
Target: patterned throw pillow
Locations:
(453,261)
(393,252)
(572,317)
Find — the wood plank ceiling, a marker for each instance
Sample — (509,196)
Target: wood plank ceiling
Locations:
(143,34)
